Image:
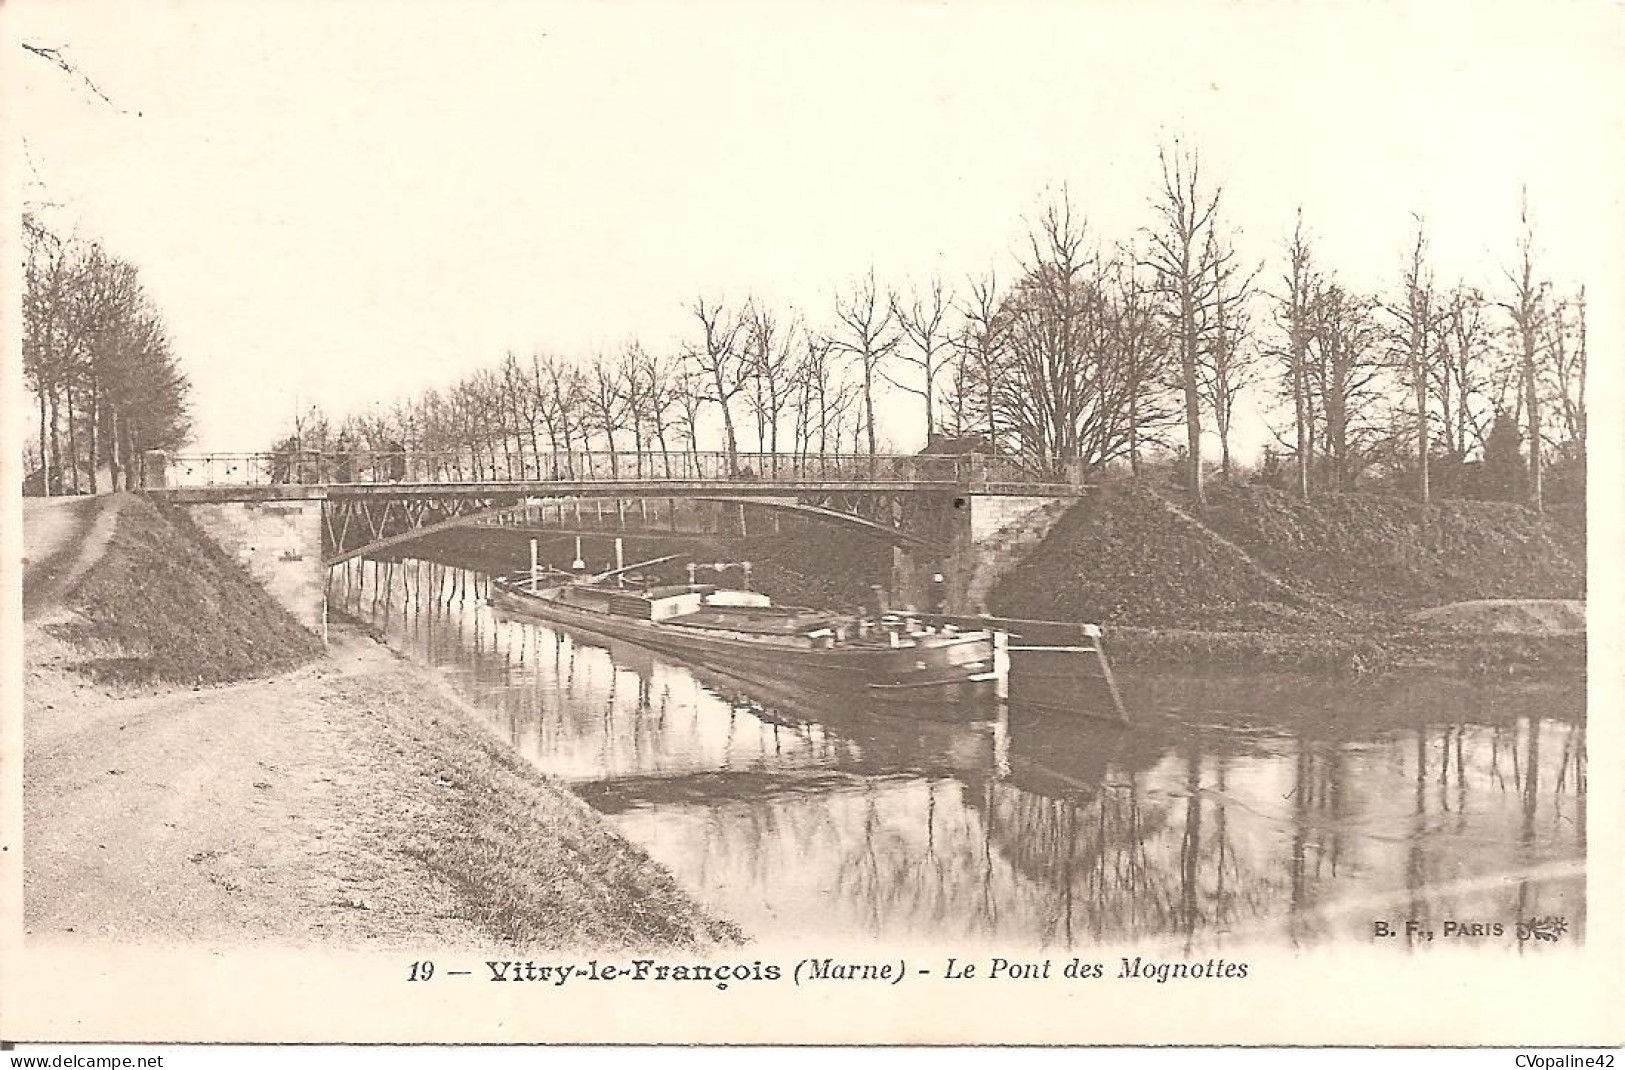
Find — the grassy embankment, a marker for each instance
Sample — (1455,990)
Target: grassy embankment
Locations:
(349,797)
(1344,582)
(1350,582)
(163,604)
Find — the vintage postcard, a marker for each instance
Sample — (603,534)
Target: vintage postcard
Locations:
(812,523)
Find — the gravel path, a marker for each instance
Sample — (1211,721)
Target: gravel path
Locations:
(243,812)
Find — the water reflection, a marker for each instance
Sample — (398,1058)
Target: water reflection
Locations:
(1290,809)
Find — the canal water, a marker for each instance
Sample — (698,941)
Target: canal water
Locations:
(1238,808)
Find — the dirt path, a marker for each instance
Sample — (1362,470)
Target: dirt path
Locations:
(352,802)
(355,802)
(62,539)
(249,810)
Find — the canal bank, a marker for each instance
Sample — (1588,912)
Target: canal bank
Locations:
(1175,594)
(1238,806)
(352,800)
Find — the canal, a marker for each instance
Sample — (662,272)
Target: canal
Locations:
(1282,809)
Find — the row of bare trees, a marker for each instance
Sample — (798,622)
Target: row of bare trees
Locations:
(768,384)
(1090,354)
(1430,375)
(98,360)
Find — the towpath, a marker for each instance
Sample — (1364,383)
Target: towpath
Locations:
(62,539)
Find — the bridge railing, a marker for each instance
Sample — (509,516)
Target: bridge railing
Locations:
(411,466)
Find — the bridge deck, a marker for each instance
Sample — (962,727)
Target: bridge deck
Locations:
(624,488)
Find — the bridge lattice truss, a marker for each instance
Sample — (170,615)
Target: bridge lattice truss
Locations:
(377,500)
(359,525)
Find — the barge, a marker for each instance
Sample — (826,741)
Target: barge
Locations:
(893,659)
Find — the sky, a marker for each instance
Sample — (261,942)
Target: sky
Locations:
(349,202)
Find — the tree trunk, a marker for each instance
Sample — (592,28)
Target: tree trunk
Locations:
(44,459)
(113,464)
(730,439)
(1134,434)
(869,407)
(1193,407)
(73,438)
(930,410)
(1536,499)
(992,422)
(1300,405)
(125,456)
(569,448)
(665,452)
(134,472)
(95,418)
(1422,488)
(53,477)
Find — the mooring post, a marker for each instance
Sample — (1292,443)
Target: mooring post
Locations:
(620,562)
(1001,743)
(534,570)
(1091,632)
(1001,663)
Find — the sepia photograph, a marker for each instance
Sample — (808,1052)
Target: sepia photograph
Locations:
(893,523)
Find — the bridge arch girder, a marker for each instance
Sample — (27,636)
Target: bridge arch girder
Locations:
(371,515)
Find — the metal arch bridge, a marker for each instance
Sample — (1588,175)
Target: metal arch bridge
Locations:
(374,520)
(391,498)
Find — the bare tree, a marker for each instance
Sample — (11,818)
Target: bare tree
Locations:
(825,394)
(869,333)
(1188,210)
(1346,378)
(1461,372)
(518,423)
(559,401)
(98,359)
(689,396)
(1527,309)
(1229,359)
(1141,351)
(663,385)
(1077,354)
(721,365)
(633,385)
(1055,333)
(1295,315)
(606,404)
(1566,346)
(1417,315)
(923,320)
(771,368)
(982,342)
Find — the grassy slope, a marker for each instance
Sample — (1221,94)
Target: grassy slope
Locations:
(162,594)
(1374,550)
(530,863)
(1119,557)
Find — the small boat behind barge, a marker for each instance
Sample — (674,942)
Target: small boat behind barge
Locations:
(894,658)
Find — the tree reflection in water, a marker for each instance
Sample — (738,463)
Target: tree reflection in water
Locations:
(1236,808)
